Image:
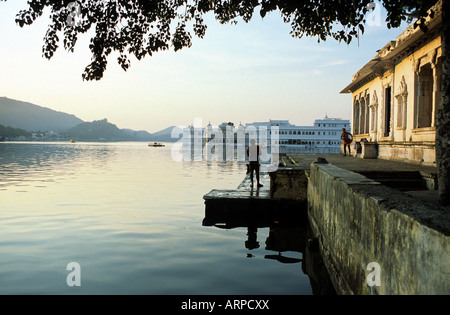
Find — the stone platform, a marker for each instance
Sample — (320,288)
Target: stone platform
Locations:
(251,206)
(415,180)
(243,191)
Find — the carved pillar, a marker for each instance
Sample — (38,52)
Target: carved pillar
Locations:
(367,116)
(401,98)
(434,94)
(373,116)
(362,105)
(416,94)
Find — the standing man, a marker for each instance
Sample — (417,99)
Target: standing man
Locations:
(347,137)
(253,153)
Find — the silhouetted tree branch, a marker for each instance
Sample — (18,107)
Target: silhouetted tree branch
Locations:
(144,27)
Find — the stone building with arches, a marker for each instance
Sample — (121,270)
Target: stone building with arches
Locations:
(395,97)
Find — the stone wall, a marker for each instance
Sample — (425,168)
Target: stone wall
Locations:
(358,222)
(420,153)
(289,183)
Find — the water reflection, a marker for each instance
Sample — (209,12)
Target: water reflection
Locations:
(287,236)
(130,216)
(36,164)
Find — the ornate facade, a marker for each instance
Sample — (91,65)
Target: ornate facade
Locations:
(395,97)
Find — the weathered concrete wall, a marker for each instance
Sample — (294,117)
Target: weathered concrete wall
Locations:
(289,183)
(359,221)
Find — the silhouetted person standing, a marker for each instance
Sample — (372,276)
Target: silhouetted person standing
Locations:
(347,137)
(253,153)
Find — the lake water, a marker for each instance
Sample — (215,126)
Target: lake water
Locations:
(131,217)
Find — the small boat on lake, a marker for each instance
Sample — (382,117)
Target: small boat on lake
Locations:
(156,144)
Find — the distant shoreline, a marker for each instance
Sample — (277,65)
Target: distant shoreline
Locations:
(80,141)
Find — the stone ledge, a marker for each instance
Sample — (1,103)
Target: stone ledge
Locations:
(358,222)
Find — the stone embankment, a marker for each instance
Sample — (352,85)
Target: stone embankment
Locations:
(376,223)
(379,237)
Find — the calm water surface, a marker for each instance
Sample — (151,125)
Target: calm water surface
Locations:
(131,216)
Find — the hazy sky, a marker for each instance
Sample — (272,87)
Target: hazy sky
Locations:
(239,73)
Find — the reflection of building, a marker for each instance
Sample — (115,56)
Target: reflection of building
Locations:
(396,94)
(193,141)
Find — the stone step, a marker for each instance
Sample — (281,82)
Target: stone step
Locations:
(400,180)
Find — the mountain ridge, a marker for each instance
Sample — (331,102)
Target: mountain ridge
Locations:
(31,118)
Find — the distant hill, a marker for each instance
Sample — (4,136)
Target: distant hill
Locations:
(10,132)
(102,130)
(164,135)
(140,135)
(30,117)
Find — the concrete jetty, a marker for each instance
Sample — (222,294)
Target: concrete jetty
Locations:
(256,206)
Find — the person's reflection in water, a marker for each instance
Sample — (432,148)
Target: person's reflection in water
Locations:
(254,193)
(251,242)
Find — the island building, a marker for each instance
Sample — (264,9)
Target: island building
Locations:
(322,137)
(395,97)
(229,142)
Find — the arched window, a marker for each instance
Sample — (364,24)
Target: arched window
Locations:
(424,97)
(428,93)
(362,115)
(356,117)
(387,111)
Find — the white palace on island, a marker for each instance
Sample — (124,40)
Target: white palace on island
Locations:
(322,137)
